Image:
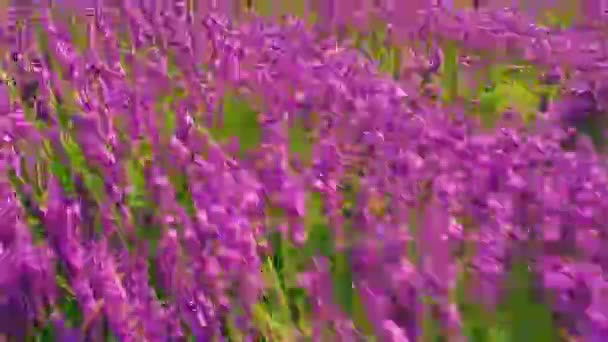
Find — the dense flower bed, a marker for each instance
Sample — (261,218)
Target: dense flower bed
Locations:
(176,176)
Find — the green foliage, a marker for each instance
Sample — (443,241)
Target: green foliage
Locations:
(449,72)
(523,316)
(237,119)
(299,141)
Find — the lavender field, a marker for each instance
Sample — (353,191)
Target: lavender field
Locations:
(301,170)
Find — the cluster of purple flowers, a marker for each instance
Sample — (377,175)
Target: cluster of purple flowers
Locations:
(117,198)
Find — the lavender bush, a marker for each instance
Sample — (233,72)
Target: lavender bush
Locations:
(185,174)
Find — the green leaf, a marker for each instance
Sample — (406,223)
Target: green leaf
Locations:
(516,96)
(263,7)
(172,69)
(182,192)
(63,116)
(299,143)
(449,73)
(77,33)
(73,151)
(279,305)
(319,241)
(232,331)
(488,107)
(525,318)
(314,210)
(137,195)
(63,175)
(238,120)
(342,281)
(167,121)
(67,302)
(562,15)
(499,334)
(44,333)
(475,319)
(95,185)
